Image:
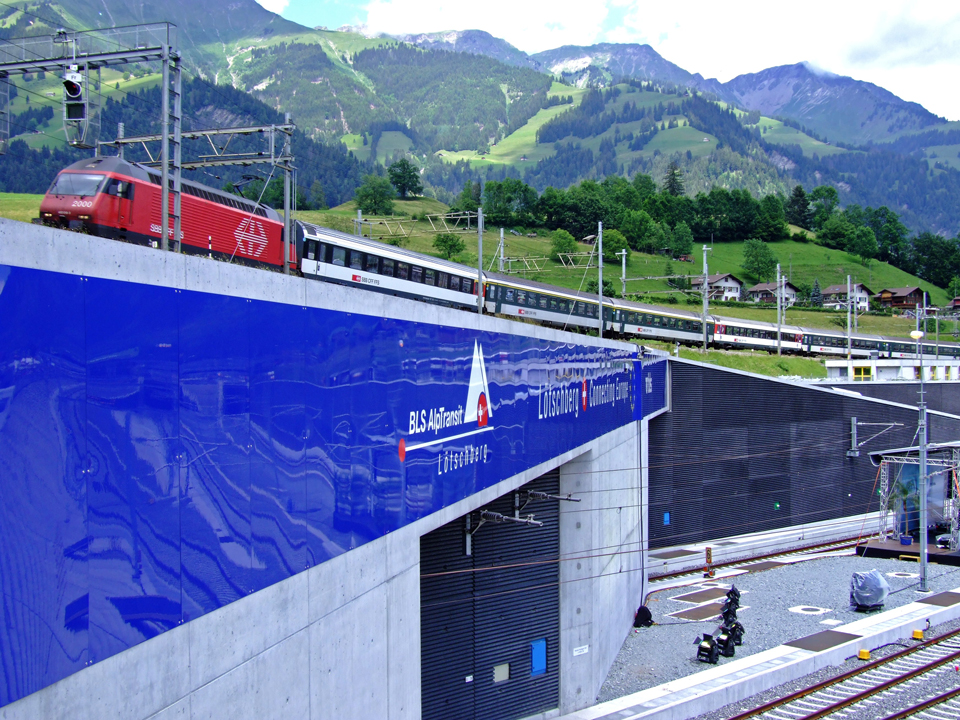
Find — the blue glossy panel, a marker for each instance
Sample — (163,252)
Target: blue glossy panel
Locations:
(277,425)
(650,387)
(216,446)
(43,498)
(165,453)
(133,479)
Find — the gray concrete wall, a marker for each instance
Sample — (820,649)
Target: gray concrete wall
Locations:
(341,640)
(602,543)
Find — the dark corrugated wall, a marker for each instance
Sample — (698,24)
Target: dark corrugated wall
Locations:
(474,620)
(740,454)
(942,396)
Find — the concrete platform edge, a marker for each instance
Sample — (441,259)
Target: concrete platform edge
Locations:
(875,631)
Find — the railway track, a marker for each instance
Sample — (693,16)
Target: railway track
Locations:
(847,692)
(845,544)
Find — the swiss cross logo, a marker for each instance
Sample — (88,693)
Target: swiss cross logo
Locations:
(583,395)
(251,237)
(356,278)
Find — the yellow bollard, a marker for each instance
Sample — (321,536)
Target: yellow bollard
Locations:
(918,634)
(864,654)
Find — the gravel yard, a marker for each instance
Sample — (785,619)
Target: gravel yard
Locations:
(821,587)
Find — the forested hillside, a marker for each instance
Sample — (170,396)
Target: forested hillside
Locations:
(337,171)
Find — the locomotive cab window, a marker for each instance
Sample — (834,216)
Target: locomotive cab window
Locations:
(80,184)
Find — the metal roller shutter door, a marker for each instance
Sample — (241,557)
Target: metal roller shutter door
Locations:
(475,620)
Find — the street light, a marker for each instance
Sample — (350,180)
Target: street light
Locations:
(922,432)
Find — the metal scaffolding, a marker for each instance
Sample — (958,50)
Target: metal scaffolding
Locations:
(942,458)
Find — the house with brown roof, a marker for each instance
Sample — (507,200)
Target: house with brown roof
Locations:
(767,293)
(720,287)
(835,296)
(905,297)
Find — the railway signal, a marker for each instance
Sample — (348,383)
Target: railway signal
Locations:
(74,102)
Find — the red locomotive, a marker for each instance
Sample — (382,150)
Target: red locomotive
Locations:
(113,198)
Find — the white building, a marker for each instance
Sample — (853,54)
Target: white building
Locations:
(767,293)
(720,287)
(868,369)
(835,296)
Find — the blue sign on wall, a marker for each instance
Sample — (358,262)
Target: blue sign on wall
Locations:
(165,452)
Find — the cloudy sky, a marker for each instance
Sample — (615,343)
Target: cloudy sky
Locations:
(909,48)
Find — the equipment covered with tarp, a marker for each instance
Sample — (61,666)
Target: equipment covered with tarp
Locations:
(868,590)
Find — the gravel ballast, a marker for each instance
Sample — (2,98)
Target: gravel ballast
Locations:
(656,655)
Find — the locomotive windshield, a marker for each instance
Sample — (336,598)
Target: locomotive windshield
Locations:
(82,184)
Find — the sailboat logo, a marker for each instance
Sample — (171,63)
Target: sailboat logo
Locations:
(476,411)
(478,406)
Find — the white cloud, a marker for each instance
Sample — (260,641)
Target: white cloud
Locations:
(274,6)
(531,26)
(911,49)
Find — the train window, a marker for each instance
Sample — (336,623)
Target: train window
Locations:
(510,295)
(443,280)
(323,253)
(81,184)
(543,302)
(339,256)
(311,250)
(372,264)
(521,297)
(386,268)
(403,271)
(356,260)
(429,277)
(416,273)
(554,305)
(491,292)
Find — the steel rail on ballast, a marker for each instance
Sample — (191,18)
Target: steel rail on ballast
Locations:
(832,706)
(925,705)
(821,547)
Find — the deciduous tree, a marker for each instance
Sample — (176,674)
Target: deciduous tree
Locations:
(614,242)
(448,245)
(759,260)
(562,242)
(405,177)
(375,196)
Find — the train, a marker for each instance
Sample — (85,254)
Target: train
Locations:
(114,198)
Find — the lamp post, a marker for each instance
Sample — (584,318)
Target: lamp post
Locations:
(922,481)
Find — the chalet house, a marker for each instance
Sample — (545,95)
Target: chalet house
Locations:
(954,304)
(767,293)
(907,297)
(720,287)
(835,296)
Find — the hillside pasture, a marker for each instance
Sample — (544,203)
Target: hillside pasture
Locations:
(776,133)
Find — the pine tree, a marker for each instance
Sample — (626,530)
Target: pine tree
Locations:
(673,180)
(798,209)
(816,296)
